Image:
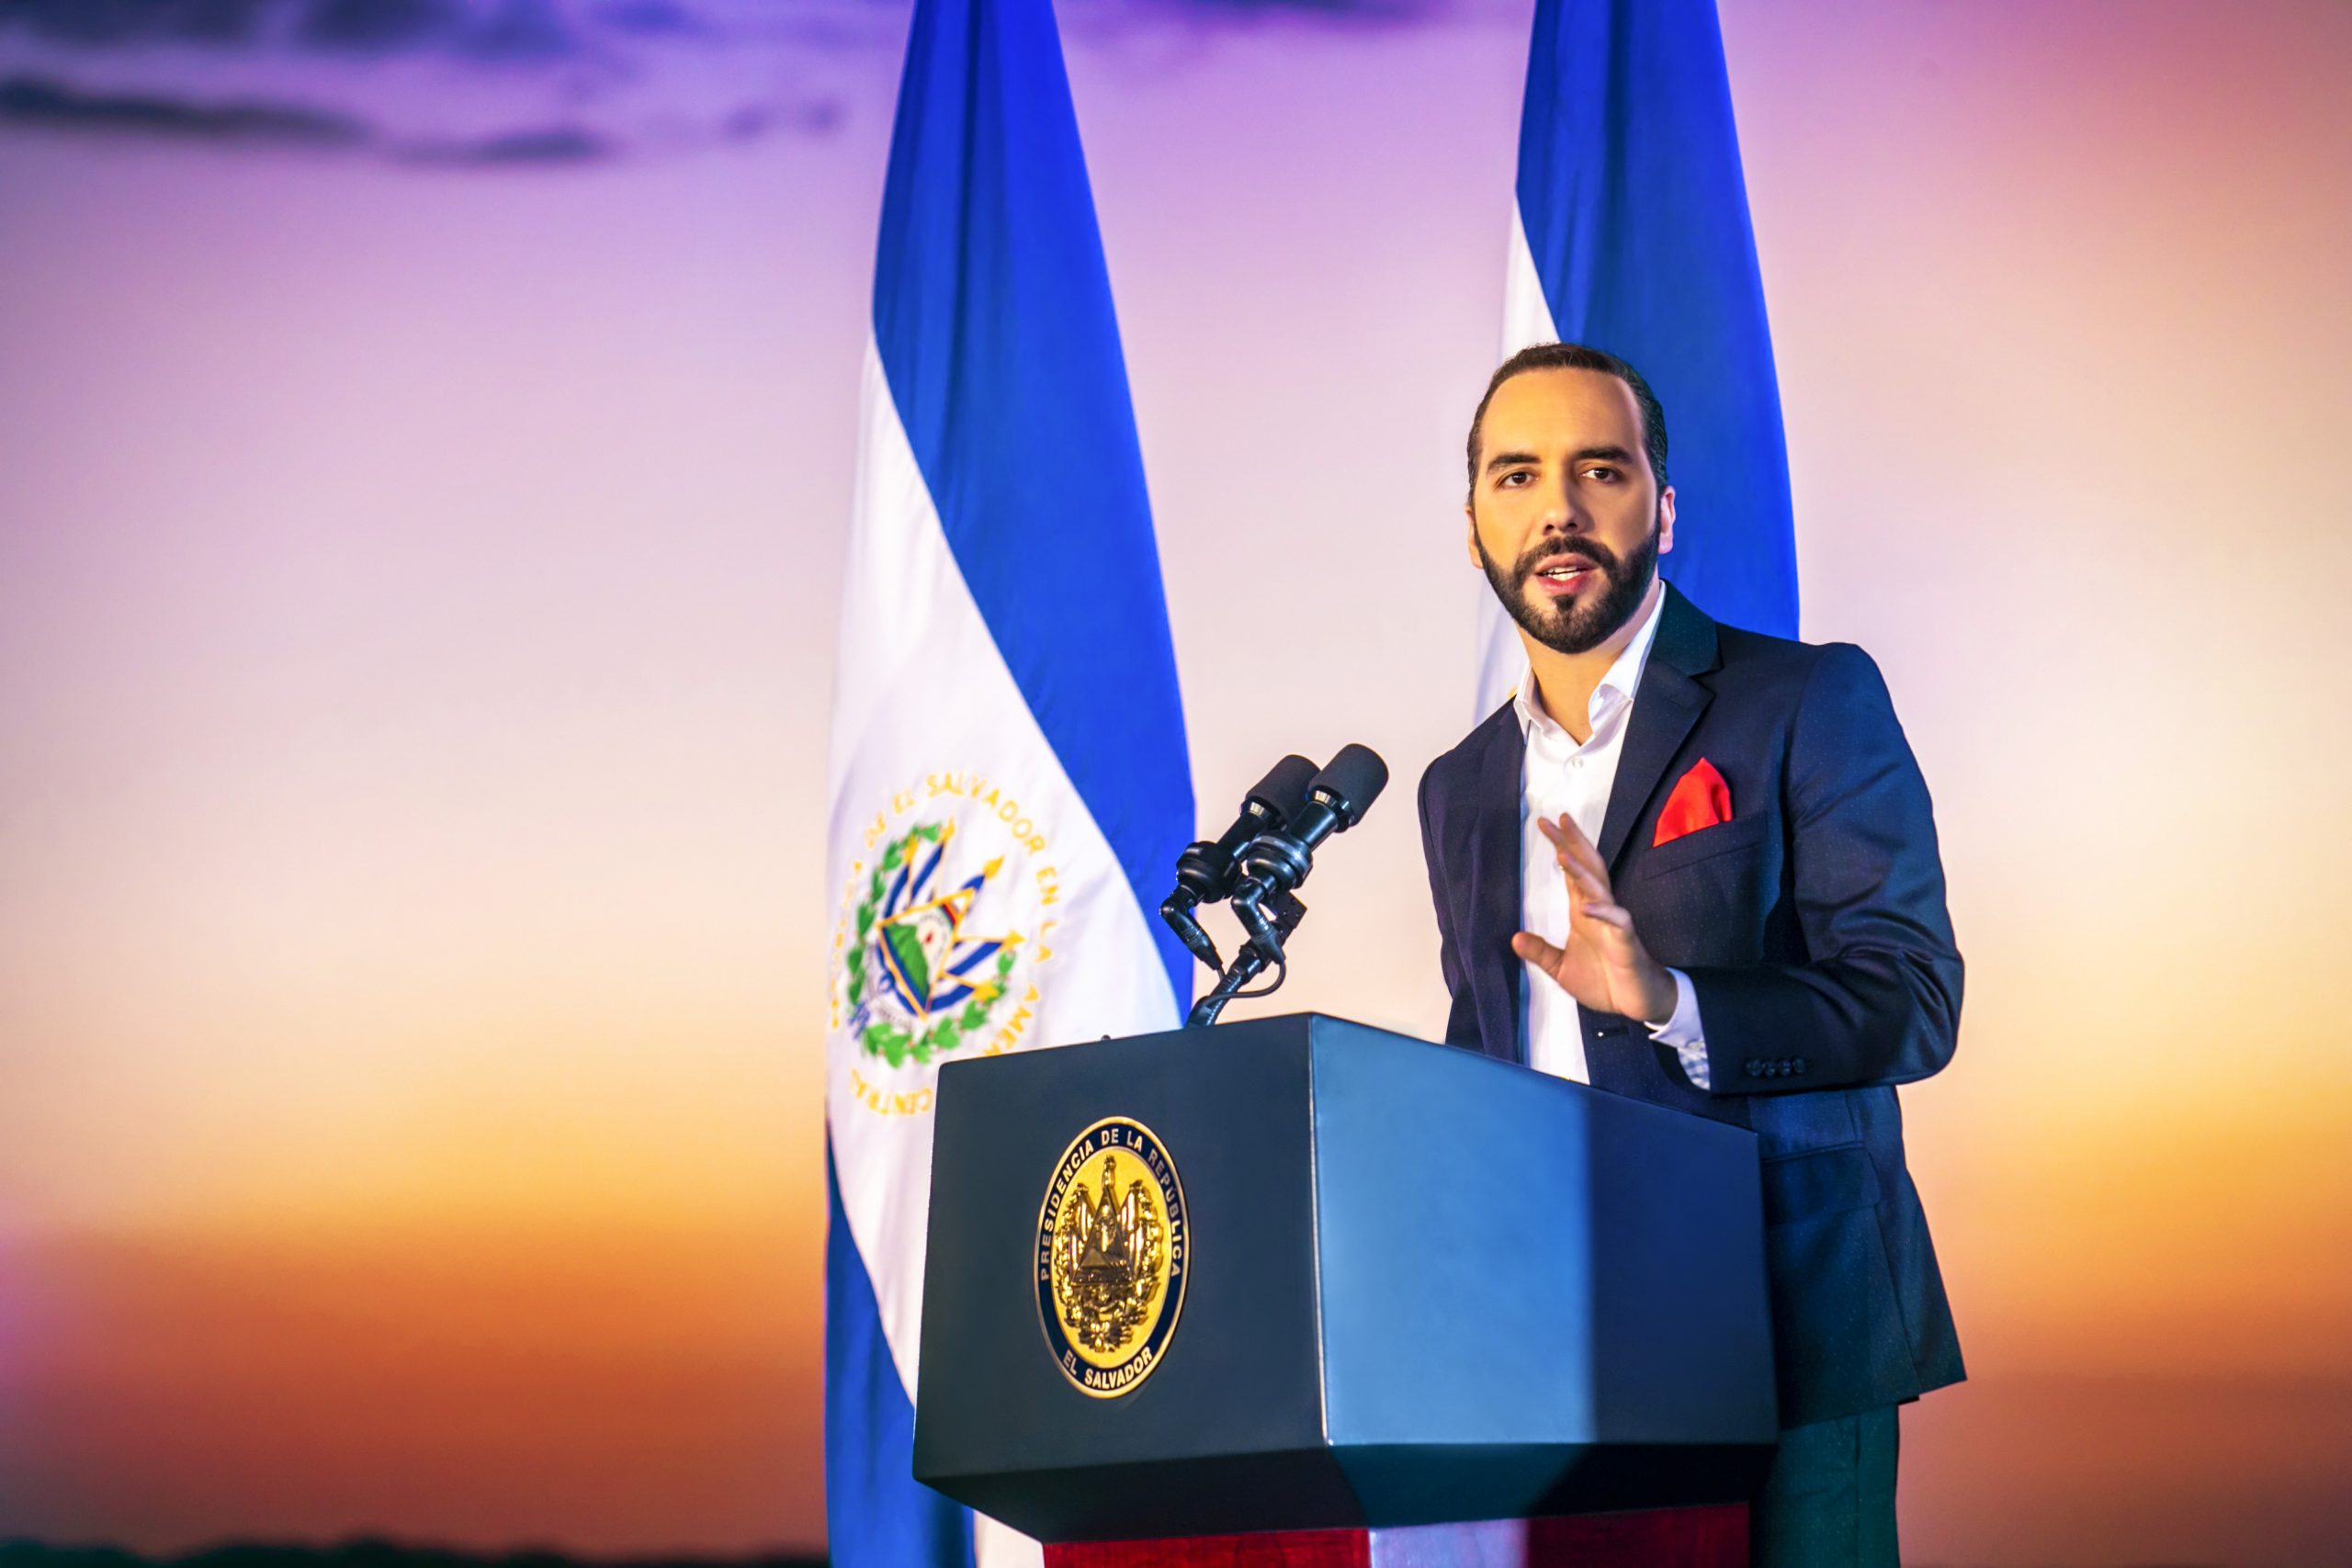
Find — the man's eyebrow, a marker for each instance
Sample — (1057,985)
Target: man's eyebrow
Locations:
(1582,455)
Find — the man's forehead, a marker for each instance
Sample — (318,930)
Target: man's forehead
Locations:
(1566,405)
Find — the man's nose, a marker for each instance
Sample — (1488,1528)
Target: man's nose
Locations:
(1562,514)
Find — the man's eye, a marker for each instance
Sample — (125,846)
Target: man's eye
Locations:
(1601,473)
(1515,477)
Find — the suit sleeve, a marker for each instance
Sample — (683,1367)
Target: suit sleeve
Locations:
(1461,1015)
(1878,1000)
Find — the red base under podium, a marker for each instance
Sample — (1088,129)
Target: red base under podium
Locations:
(1665,1538)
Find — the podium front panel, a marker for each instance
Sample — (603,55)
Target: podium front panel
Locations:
(1235,1406)
(1420,1286)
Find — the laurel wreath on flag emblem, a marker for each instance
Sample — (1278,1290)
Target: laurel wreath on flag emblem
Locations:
(917,982)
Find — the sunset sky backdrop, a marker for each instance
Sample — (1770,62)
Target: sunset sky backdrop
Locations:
(422,500)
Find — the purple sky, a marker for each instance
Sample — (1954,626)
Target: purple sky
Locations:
(421,504)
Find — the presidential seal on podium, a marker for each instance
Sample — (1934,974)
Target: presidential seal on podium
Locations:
(1112,1245)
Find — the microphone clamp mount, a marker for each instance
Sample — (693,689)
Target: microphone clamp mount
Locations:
(1273,866)
(1250,961)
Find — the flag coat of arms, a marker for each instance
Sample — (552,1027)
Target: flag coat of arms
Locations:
(1009,782)
(1630,234)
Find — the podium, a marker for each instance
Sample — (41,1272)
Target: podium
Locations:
(1296,1281)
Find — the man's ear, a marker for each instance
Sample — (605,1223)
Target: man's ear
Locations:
(1666,520)
(1470,538)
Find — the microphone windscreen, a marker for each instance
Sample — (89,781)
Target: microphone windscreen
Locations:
(1355,778)
(1283,789)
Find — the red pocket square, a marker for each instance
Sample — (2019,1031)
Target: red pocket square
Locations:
(1700,799)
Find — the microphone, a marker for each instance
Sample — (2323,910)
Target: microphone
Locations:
(1204,872)
(1276,862)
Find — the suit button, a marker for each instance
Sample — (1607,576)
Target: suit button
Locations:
(1755,1068)
(1798,1063)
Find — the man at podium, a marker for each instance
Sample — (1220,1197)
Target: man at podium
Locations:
(1697,866)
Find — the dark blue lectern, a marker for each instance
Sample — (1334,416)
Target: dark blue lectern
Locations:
(1397,1284)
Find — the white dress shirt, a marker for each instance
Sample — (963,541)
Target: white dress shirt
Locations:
(1558,775)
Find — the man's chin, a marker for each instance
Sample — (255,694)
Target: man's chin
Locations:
(1554,623)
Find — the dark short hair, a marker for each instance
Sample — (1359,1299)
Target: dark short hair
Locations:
(1576,356)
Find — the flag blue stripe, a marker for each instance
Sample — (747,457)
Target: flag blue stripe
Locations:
(876,1513)
(993,319)
(1636,209)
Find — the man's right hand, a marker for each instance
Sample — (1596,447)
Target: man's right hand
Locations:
(1603,963)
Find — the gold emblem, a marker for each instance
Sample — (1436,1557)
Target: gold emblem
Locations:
(1111,1257)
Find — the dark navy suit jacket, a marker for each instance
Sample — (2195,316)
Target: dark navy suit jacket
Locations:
(1814,930)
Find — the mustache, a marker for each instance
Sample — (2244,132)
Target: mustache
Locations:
(1540,556)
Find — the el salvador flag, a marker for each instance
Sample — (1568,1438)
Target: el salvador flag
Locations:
(1631,234)
(1008,778)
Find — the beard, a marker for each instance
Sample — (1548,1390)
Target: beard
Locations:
(1585,621)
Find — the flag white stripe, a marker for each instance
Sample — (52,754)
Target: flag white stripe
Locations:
(920,691)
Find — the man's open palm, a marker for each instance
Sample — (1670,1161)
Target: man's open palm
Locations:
(1603,963)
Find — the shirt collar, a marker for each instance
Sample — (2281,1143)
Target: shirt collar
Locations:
(1623,680)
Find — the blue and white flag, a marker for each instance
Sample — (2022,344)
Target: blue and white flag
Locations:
(1010,785)
(1631,234)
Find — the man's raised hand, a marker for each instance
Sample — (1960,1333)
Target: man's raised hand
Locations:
(1603,963)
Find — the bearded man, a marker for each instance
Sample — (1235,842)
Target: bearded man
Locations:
(1697,866)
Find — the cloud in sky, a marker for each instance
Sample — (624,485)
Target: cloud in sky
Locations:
(503,83)
(452,83)
(34,101)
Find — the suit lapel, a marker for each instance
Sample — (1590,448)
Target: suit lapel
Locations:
(1494,886)
(1667,706)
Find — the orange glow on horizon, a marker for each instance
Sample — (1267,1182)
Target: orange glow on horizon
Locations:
(551,1384)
